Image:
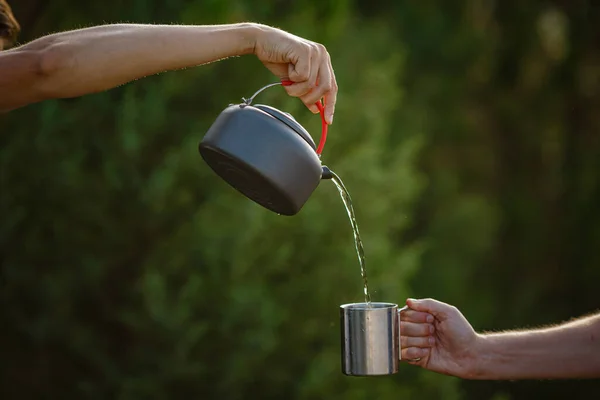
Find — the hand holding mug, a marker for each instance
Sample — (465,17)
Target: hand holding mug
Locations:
(451,337)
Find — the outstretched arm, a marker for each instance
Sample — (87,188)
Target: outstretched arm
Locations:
(74,63)
(569,350)
(565,351)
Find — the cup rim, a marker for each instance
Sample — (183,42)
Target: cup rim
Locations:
(375,305)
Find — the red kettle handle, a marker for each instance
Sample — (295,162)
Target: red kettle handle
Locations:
(323,122)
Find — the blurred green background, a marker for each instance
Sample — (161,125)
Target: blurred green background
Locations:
(467,134)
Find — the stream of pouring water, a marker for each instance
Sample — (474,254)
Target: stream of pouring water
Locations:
(357,241)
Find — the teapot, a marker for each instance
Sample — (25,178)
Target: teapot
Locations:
(265,154)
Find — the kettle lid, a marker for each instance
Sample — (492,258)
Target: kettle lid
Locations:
(289,121)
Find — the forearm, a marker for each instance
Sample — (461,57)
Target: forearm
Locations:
(96,59)
(571,350)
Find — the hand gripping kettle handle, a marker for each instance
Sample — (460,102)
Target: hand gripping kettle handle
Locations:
(323,122)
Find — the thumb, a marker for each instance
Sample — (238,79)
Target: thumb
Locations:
(436,308)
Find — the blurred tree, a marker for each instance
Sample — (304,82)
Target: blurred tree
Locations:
(465,134)
(508,100)
(131,271)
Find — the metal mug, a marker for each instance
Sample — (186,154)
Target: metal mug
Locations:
(370,338)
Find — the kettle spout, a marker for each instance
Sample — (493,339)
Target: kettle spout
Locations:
(326,174)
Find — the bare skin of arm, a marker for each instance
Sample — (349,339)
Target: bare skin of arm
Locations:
(570,350)
(91,60)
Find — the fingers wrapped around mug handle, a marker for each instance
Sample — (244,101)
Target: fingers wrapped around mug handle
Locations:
(416,334)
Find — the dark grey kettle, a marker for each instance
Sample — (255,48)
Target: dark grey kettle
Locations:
(265,154)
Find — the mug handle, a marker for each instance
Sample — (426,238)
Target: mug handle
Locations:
(400,333)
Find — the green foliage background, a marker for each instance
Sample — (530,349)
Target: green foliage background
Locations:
(467,134)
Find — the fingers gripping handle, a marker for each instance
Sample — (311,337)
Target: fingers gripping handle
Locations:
(400,332)
(323,122)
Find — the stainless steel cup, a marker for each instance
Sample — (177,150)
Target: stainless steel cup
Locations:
(370,338)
